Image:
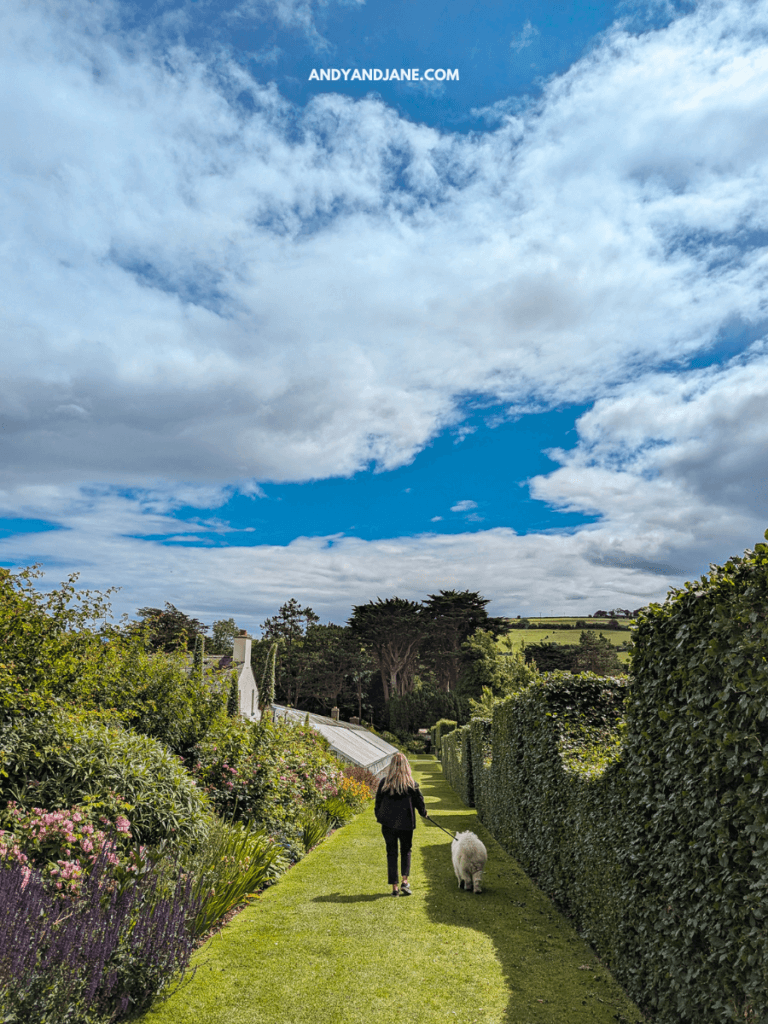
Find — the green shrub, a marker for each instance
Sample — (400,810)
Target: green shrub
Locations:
(57,762)
(338,811)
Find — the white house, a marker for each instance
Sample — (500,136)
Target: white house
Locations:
(240,662)
(246,682)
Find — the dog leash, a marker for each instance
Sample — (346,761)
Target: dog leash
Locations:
(451,834)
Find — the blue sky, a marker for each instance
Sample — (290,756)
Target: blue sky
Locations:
(267,337)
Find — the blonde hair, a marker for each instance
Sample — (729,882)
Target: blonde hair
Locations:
(398,778)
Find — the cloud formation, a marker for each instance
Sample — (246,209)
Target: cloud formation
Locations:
(202,292)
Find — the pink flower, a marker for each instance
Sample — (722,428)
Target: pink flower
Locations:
(87,845)
(122,824)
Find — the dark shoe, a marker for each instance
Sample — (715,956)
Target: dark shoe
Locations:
(395,892)
(405,889)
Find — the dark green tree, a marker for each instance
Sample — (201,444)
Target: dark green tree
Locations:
(333,662)
(288,628)
(267,687)
(391,631)
(167,629)
(551,657)
(233,698)
(597,654)
(452,617)
(199,657)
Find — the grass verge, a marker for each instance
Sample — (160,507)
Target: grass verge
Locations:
(329,945)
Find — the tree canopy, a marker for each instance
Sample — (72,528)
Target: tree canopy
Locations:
(391,630)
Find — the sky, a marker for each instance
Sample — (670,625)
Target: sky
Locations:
(278,320)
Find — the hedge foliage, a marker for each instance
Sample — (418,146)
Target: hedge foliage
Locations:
(457,762)
(440,729)
(651,832)
(697,767)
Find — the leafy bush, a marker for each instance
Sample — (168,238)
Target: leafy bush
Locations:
(98,956)
(232,862)
(58,652)
(58,762)
(266,772)
(338,811)
(157,694)
(494,665)
(64,845)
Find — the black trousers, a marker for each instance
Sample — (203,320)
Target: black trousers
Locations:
(393,836)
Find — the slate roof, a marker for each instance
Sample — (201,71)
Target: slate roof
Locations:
(352,743)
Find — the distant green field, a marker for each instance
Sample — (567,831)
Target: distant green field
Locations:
(516,638)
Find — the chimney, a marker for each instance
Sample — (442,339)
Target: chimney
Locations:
(335,714)
(242,650)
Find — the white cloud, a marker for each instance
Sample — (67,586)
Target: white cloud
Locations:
(194,293)
(105,539)
(676,464)
(436,519)
(194,278)
(526,37)
(463,506)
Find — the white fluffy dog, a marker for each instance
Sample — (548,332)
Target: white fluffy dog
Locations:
(469,857)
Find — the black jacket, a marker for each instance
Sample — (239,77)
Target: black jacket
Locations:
(398,811)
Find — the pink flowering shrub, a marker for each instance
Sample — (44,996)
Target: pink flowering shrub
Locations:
(63,845)
(266,772)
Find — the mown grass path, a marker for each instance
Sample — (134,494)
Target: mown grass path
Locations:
(329,945)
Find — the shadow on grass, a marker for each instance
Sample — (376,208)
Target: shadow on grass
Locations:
(550,975)
(337,897)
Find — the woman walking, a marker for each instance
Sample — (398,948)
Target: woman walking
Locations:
(396,798)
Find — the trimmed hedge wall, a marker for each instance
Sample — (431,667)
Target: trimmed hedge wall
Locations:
(440,729)
(697,767)
(457,763)
(481,755)
(652,834)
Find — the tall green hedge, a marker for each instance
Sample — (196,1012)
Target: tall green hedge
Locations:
(457,762)
(652,833)
(481,755)
(697,766)
(533,797)
(440,729)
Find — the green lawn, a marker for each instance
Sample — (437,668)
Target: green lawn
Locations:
(329,945)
